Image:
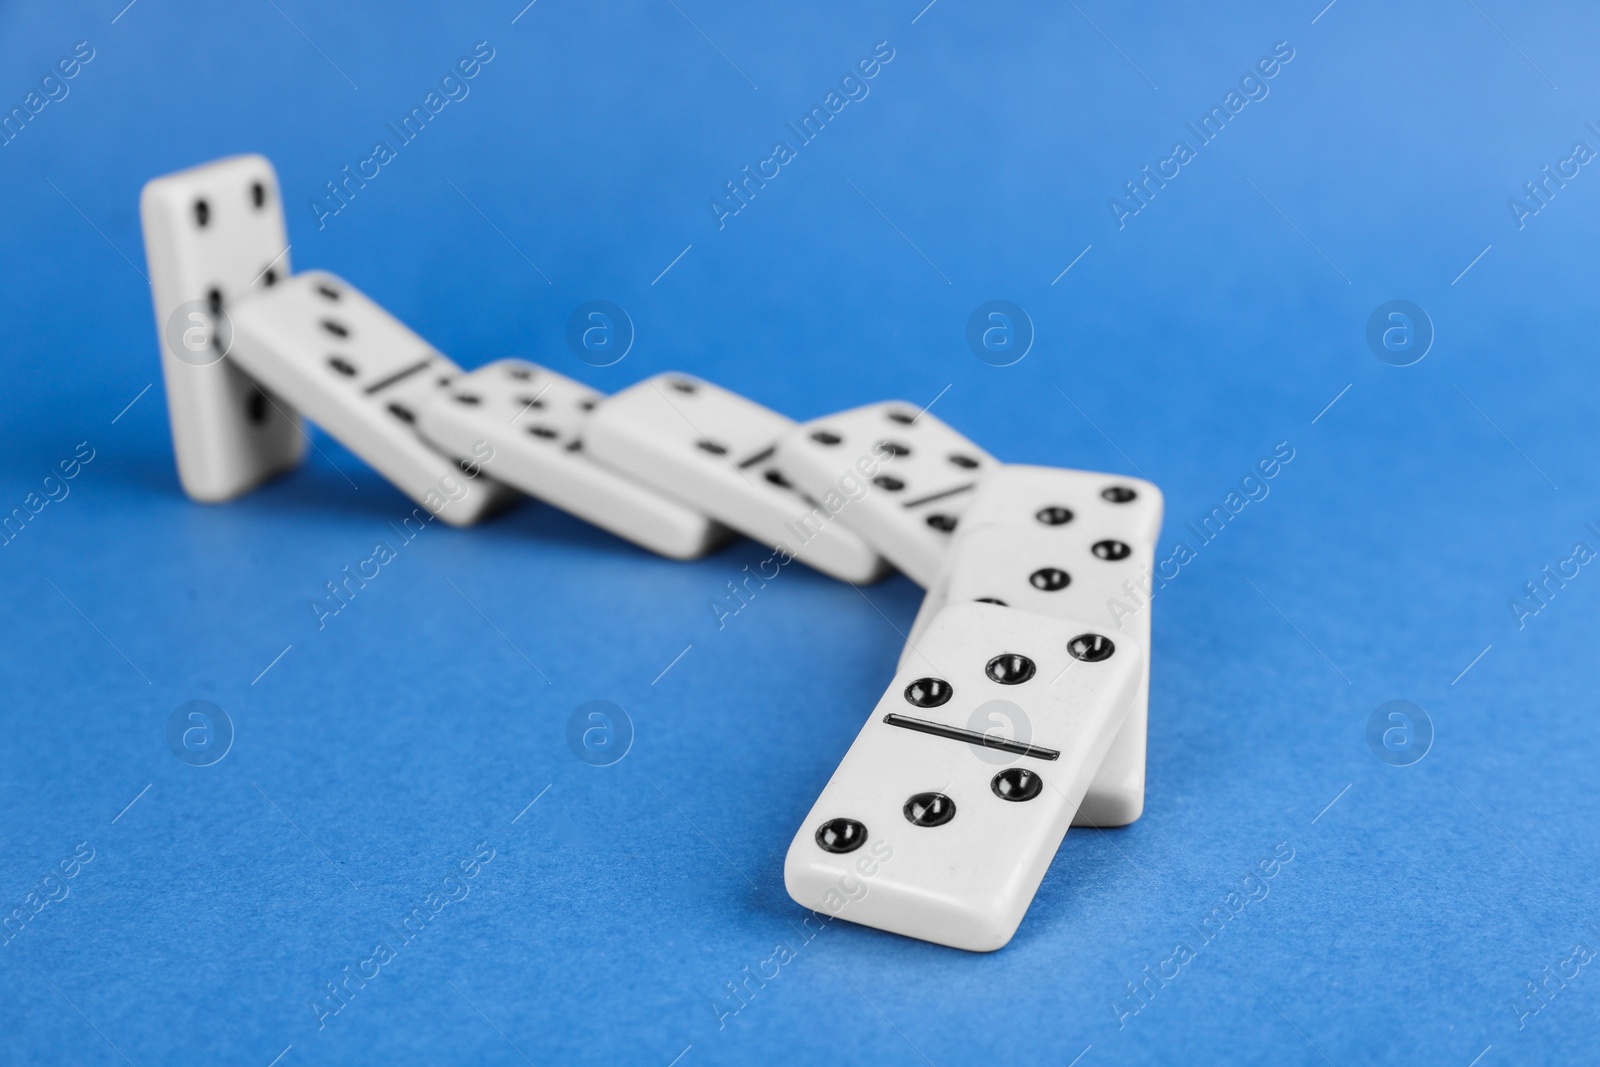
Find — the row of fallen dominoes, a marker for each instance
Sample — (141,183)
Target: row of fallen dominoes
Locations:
(1017,709)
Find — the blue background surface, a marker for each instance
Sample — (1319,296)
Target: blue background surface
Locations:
(1223,318)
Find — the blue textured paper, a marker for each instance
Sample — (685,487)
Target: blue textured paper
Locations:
(408,735)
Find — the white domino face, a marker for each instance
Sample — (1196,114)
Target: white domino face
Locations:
(360,374)
(900,479)
(713,449)
(1069,544)
(528,427)
(214,235)
(1018,493)
(946,812)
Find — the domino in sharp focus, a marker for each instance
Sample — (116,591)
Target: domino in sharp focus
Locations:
(360,374)
(214,235)
(945,813)
(901,478)
(713,449)
(528,427)
(1069,544)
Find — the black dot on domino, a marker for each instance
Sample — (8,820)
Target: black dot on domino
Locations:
(841,835)
(991,600)
(929,809)
(1111,550)
(202,213)
(258,194)
(1017,784)
(928,692)
(521,374)
(776,477)
(1054,515)
(544,432)
(270,276)
(707,445)
(893,485)
(342,365)
(338,329)
(403,413)
(468,399)
(1050,579)
(964,462)
(257,407)
(941,522)
(894,448)
(902,418)
(684,386)
(327,292)
(1118,494)
(530,401)
(1090,648)
(826,437)
(1010,668)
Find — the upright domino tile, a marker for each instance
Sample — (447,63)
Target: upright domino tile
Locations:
(360,374)
(214,235)
(713,449)
(1069,544)
(946,812)
(1023,496)
(898,477)
(528,427)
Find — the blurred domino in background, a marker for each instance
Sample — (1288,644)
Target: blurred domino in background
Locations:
(214,235)
(528,426)
(714,450)
(360,374)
